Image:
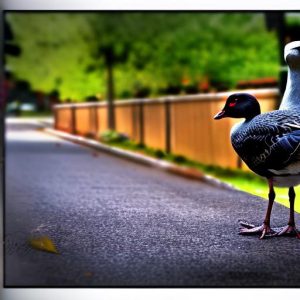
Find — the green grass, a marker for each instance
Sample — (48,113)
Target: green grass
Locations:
(241,180)
(30,114)
(260,188)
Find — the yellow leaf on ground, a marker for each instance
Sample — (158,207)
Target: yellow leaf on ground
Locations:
(43,243)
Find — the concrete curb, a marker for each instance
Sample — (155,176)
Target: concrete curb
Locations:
(187,172)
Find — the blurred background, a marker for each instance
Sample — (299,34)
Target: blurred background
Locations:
(63,57)
(107,58)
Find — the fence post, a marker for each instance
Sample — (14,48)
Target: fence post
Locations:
(73,119)
(167,126)
(96,121)
(55,112)
(239,162)
(141,122)
(92,123)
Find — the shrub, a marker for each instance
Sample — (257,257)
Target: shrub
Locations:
(111,136)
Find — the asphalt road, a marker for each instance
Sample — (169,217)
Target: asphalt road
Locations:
(118,223)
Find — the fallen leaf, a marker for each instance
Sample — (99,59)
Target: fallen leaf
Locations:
(43,243)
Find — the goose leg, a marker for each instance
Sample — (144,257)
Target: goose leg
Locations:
(265,228)
(290,229)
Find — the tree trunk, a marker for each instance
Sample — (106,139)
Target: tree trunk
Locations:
(110,91)
(276,21)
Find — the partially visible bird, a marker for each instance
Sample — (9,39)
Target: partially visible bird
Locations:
(291,97)
(269,143)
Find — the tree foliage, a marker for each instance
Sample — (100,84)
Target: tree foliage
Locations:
(153,52)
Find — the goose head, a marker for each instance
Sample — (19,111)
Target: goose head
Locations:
(292,54)
(239,105)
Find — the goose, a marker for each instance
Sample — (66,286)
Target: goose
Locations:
(269,143)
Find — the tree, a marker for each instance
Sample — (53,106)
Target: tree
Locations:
(117,36)
(54,53)
(136,54)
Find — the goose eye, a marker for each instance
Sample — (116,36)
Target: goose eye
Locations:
(233,103)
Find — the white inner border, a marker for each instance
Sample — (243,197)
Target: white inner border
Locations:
(150,5)
(147,294)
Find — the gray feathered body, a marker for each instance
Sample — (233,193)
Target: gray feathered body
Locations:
(270,143)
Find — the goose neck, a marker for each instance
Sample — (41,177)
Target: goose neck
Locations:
(291,97)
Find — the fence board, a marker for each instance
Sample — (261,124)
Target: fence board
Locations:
(102,119)
(64,119)
(82,121)
(154,125)
(124,120)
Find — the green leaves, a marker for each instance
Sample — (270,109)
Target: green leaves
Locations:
(152,50)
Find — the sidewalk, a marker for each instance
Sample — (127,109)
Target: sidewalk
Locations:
(191,173)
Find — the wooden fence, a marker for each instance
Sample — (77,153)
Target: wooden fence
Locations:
(182,125)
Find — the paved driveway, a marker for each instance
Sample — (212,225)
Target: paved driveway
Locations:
(118,223)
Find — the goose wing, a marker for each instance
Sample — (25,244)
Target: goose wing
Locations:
(269,143)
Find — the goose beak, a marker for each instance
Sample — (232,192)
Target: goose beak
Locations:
(220,115)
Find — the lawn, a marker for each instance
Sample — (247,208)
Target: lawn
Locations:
(260,188)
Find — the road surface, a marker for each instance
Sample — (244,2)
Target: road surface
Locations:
(118,223)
